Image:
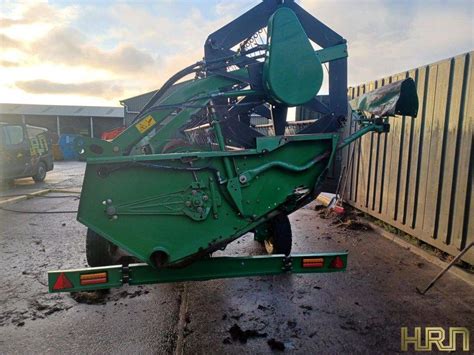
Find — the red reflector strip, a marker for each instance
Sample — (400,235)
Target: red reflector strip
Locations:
(313,262)
(337,263)
(93,279)
(62,282)
(313,265)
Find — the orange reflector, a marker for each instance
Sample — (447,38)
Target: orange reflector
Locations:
(313,262)
(337,263)
(62,282)
(93,279)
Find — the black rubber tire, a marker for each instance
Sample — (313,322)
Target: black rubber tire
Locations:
(40,173)
(99,251)
(280,238)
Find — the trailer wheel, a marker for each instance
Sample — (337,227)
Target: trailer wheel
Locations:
(40,173)
(280,238)
(99,251)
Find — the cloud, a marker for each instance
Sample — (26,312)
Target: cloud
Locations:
(126,49)
(389,37)
(105,89)
(7,42)
(224,8)
(31,13)
(8,64)
(141,50)
(70,46)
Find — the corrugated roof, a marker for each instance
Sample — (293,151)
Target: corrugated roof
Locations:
(57,110)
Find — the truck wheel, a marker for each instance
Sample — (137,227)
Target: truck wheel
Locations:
(99,251)
(40,173)
(280,237)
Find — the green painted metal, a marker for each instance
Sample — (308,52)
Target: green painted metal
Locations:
(379,127)
(398,98)
(238,206)
(195,93)
(204,269)
(114,278)
(332,53)
(292,72)
(189,203)
(236,93)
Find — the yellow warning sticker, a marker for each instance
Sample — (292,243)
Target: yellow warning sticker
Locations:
(145,124)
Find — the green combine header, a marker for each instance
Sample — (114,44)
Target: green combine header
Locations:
(191,174)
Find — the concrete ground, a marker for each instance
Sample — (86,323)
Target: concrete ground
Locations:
(359,311)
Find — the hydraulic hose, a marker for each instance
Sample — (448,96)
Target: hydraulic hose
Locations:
(182,73)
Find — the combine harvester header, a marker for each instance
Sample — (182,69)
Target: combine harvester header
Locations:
(191,174)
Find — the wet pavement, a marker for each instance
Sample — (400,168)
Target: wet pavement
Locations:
(359,311)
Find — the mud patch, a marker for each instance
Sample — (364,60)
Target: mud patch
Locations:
(349,220)
(90,297)
(242,336)
(101,297)
(276,345)
(36,310)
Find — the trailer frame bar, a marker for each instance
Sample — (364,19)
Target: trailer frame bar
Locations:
(95,278)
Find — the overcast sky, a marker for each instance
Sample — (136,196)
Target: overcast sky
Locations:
(98,52)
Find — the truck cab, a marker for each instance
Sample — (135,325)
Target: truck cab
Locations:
(25,151)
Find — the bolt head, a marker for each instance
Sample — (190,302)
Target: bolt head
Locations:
(243,179)
(111,211)
(205,198)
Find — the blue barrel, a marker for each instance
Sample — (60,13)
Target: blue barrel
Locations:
(66,144)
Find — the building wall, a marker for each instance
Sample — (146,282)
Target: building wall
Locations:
(133,105)
(68,124)
(419,177)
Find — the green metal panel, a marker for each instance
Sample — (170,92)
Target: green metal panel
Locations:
(114,278)
(204,269)
(289,78)
(121,194)
(199,91)
(332,53)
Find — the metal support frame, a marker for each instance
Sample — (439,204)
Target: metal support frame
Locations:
(58,128)
(201,270)
(218,45)
(92,126)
